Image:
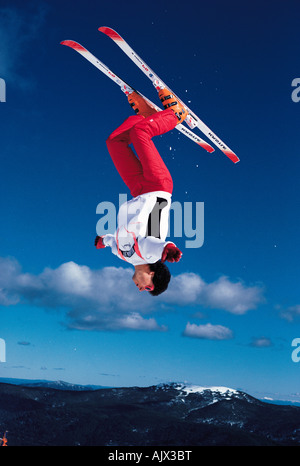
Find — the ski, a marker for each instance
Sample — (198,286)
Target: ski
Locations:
(192,120)
(126,88)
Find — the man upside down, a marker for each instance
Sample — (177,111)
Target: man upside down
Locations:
(143,220)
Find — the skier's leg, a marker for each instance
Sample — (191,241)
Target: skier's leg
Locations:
(124,159)
(126,125)
(156,175)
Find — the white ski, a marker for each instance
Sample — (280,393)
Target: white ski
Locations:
(192,119)
(127,89)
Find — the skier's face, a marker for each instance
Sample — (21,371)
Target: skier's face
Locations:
(143,279)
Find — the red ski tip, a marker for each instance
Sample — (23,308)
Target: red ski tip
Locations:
(207,147)
(73,45)
(110,33)
(231,155)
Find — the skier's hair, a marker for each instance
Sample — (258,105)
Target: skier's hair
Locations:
(161,277)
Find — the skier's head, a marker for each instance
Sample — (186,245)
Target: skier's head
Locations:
(161,277)
(152,277)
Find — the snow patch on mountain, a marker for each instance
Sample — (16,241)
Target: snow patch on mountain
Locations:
(199,389)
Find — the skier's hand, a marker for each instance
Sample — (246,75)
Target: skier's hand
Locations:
(99,242)
(171,253)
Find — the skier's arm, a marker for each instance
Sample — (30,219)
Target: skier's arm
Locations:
(171,253)
(106,240)
(99,242)
(154,249)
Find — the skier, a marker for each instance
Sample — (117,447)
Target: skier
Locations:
(143,220)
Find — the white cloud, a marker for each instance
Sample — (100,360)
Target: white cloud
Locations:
(103,299)
(96,320)
(261,342)
(208,331)
(106,299)
(290,313)
(134,321)
(186,288)
(9,271)
(234,297)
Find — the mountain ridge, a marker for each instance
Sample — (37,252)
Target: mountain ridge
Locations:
(159,415)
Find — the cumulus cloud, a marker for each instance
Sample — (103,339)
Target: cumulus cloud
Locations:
(106,299)
(132,321)
(92,299)
(234,297)
(208,332)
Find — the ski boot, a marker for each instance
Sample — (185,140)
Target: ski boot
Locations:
(170,101)
(140,105)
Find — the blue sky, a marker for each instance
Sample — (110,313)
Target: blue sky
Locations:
(72,313)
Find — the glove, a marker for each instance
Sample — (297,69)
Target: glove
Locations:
(99,242)
(171,253)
